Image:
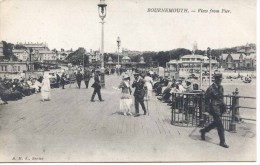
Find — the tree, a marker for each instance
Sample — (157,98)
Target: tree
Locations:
(200,52)
(216,53)
(19,46)
(76,58)
(7,50)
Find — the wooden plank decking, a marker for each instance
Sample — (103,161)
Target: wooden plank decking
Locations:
(63,124)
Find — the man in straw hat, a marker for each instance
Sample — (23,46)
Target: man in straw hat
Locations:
(139,93)
(188,87)
(216,107)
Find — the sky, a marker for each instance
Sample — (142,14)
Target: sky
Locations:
(75,23)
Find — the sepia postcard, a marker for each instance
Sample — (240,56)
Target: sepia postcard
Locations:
(169,81)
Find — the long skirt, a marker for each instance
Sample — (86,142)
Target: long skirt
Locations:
(125,104)
(46,95)
(149,90)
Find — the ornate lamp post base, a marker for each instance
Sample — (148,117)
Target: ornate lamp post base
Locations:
(102,78)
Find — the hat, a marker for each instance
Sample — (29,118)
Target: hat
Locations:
(125,76)
(218,75)
(136,74)
(189,81)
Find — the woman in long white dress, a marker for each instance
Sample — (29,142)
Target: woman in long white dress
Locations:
(46,88)
(125,100)
(148,83)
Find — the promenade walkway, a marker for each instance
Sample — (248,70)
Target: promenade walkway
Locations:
(70,128)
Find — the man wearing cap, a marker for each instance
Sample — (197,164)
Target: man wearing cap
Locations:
(216,107)
(97,87)
(139,93)
(87,77)
(79,78)
(188,87)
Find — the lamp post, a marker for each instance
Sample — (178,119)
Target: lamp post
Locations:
(83,62)
(201,73)
(102,14)
(209,52)
(27,64)
(30,58)
(118,45)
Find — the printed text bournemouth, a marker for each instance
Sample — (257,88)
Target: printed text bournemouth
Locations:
(168,10)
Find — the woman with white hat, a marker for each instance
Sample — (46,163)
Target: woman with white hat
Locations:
(46,88)
(125,100)
(149,85)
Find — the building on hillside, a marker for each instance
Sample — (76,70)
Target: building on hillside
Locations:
(35,46)
(94,56)
(250,61)
(243,59)
(247,50)
(230,61)
(238,61)
(1,51)
(63,54)
(21,54)
(47,56)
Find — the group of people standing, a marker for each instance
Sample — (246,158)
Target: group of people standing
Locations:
(86,76)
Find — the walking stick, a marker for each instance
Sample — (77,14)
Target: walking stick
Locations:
(147,102)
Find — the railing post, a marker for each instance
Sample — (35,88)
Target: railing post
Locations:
(172,110)
(237,114)
(202,110)
(232,126)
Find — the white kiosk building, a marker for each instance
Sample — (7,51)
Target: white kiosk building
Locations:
(190,64)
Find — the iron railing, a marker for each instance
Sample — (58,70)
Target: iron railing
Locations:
(188,109)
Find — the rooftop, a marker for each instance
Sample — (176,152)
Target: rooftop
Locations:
(46,52)
(194,56)
(19,51)
(125,58)
(235,56)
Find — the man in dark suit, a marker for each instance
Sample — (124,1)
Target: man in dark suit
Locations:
(139,85)
(97,87)
(87,76)
(216,107)
(79,78)
(63,80)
